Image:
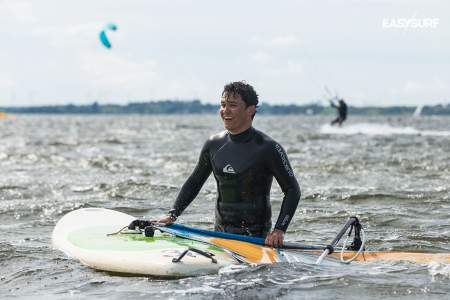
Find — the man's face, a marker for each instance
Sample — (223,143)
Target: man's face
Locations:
(236,116)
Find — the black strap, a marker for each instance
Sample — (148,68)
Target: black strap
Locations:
(201,252)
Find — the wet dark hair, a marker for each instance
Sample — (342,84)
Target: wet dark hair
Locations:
(242,89)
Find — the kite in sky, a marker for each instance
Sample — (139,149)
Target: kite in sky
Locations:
(104,35)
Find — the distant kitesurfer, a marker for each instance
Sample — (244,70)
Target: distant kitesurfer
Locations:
(244,162)
(341,110)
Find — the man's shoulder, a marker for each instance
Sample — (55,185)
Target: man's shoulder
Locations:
(218,136)
(269,144)
(264,138)
(215,139)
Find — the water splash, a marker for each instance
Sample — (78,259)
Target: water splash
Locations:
(378,129)
(437,270)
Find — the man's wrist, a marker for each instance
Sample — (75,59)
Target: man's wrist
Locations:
(280,229)
(173,215)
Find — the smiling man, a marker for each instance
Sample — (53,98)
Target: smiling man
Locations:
(244,161)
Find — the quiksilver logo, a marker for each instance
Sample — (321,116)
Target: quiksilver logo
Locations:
(228,169)
(284,160)
(285,220)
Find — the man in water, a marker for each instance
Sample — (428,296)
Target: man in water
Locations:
(244,161)
(341,110)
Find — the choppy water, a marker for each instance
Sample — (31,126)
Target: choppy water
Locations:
(393,173)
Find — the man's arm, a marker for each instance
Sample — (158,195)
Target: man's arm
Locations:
(332,104)
(194,183)
(284,175)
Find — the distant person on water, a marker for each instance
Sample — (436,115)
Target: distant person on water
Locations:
(244,162)
(341,110)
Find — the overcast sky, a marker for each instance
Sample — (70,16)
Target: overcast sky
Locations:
(182,49)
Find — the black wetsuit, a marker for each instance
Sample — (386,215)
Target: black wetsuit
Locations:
(342,113)
(243,166)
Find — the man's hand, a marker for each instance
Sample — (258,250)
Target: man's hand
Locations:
(140,224)
(166,220)
(275,238)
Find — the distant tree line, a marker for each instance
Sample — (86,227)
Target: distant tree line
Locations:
(196,107)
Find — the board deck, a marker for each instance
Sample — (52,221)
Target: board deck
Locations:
(84,234)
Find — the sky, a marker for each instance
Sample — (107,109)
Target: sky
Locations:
(371,52)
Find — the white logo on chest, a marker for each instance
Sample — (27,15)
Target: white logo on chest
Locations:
(228,169)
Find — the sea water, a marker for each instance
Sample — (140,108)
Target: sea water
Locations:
(391,172)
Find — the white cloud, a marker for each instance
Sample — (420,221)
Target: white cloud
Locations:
(18,10)
(427,91)
(114,71)
(184,49)
(6,83)
(279,41)
(261,57)
(120,78)
(294,67)
(68,30)
(285,41)
(433,86)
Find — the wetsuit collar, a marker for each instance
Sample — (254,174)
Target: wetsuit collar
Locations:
(243,136)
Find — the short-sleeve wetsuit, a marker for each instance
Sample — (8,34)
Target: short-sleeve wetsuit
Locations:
(243,166)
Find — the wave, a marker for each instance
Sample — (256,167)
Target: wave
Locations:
(378,129)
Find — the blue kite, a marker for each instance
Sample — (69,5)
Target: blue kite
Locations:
(104,38)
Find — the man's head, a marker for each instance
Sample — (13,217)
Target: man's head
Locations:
(242,89)
(238,106)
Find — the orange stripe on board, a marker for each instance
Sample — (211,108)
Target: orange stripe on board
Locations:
(367,256)
(272,254)
(251,252)
(421,258)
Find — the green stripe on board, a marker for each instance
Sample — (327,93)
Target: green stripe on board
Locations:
(97,239)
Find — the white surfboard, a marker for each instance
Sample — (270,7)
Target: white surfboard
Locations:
(83,234)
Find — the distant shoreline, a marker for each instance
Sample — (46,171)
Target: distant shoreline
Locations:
(196,107)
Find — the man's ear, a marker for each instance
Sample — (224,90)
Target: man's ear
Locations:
(251,110)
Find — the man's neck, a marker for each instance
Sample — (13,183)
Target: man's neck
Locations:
(242,137)
(240,130)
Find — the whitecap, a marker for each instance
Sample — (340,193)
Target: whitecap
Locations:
(378,129)
(437,269)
